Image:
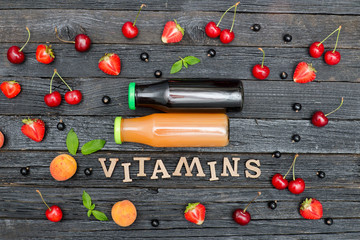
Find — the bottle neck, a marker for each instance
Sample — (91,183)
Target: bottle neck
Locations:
(152,94)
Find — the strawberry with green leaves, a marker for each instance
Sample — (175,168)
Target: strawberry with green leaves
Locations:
(304,73)
(44,54)
(195,213)
(172,32)
(34,129)
(311,209)
(10,89)
(110,64)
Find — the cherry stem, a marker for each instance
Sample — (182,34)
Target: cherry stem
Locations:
(232,25)
(338,29)
(142,5)
(226,12)
(259,193)
(337,39)
(294,166)
(26,41)
(291,166)
(342,101)
(52,81)
(43,199)
(62,80)
(262,63)
(57,35)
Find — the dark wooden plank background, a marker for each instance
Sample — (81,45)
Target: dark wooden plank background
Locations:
(266,123)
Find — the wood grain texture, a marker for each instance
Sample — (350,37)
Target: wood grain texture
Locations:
(105,27)
(272,6)
(263,99)
(246,135)
(342,171)
(230,62)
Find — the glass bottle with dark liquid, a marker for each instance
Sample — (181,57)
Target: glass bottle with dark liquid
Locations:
(188,95)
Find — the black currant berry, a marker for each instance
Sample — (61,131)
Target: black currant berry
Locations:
(155,223)
(60,126)
(320,174)
(106,99)
(158,74)
(287,38)
(272,205)
(296,138)
(25,171)
(329,221)
(277,154)
(211,53)
(144,57)
(256,27)
(283,75)
(297,107)
(88,171)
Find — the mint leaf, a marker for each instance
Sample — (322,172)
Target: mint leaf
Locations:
(185,64)
(86,200)
(89,213)
(99,215)
(176,67)
(92,207)
(72,142)
(92,146)
(191,60)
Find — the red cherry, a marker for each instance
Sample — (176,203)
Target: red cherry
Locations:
(279,182)
(319,119)
(212,30)
(53,99)
(241,216)
(82,43)
(129,30)
(15,54)
(53,213)
(332,58)
(316,49)
(73,97)
(260,71)
(296,186)
(226,36)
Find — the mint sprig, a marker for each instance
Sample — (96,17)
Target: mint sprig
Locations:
(186,61)
(88,204)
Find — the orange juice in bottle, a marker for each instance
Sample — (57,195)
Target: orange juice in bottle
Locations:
(174,130)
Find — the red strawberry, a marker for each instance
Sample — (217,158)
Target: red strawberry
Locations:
(44,54)
(311,209)
(110,64)
(172,33)
(195,213)
(10,89)
(304,73)
(33,129)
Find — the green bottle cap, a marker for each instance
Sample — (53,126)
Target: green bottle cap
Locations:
(131,97)
(117,130)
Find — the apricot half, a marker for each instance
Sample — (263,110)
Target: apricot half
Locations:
(124,213)
(63,167)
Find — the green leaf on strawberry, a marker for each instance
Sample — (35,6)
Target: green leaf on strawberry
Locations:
(72,142)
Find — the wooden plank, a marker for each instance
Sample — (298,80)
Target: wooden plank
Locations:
(230,62)
(263,99)
(246,135)
(304,28)
(272,6)
(342,171)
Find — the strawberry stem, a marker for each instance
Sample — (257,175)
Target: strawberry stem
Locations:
(62,80)
(338,29)
(262,63)
(337,39)
(26,41)
(226,12)
(342,101)
(57,35)
(232,25)
(259,193)
(142,5)
(291,166)
(43,199)
(52,81)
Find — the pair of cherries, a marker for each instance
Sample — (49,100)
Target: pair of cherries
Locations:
(212,29)
(53,99)
(295,186)
(331,57)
